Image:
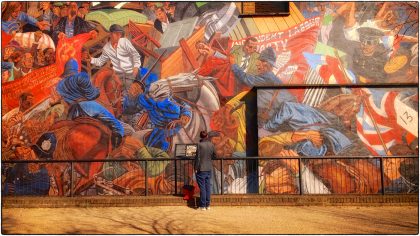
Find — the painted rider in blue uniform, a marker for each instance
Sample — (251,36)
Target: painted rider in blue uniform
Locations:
(167,116)
(78,91)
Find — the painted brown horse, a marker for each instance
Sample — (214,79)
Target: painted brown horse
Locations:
(86,138)
(81,139)
(110,87)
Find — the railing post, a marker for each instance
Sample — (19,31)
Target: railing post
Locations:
(300,176)
(221,177)
(146,186)
(382,175)
(71,178)
(176,178)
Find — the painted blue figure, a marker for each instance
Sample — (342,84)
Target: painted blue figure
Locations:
(13,19)
(78,91)
(166,115)
(130,107)
(301,117)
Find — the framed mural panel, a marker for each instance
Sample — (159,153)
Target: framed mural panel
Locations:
(337,132)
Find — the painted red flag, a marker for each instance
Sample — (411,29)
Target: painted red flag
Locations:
(70,48)
(5,39)
(290,46)
(219,68)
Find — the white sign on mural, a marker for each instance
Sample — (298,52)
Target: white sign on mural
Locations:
(407,117)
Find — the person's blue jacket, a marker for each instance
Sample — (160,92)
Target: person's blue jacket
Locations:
(266,79)
(14,24)
(161,114)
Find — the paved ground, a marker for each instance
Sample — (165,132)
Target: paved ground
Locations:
(219,220)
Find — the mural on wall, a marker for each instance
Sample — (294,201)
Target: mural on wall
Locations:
(123,80)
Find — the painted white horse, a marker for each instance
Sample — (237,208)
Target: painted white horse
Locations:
(196,91)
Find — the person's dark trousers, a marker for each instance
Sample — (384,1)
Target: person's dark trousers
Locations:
(204,183)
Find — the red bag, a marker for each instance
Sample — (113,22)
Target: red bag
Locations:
(188,192)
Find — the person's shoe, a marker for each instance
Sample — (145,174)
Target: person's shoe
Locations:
(208,208)
(202,208)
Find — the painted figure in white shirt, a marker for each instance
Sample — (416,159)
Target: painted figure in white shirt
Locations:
(124,57)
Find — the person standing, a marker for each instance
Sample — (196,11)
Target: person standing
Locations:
(203,166)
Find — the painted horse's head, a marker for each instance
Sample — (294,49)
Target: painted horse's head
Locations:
(111,90)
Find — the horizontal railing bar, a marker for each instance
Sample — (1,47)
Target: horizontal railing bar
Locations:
(225,158)
(364,85)
(315,157)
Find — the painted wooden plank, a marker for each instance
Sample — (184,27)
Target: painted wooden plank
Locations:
(289,21)
(294,16)
(260,22)
(241,30)
(271,24)
(245,27)
(281,23)
(252,28)
(235,32)
(198,36)
(232,35)
(296,12)
(188,53)
(174,56)
(172,65)
(239,34)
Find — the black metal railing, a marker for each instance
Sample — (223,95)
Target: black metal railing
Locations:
(250,175)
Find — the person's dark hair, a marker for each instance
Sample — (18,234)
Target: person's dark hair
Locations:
(203,134)
(160,8)
(10,8)
(24,96)
(117,28)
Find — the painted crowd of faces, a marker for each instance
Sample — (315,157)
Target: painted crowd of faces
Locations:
(345,43)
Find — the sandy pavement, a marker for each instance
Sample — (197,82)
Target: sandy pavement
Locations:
(218,220)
